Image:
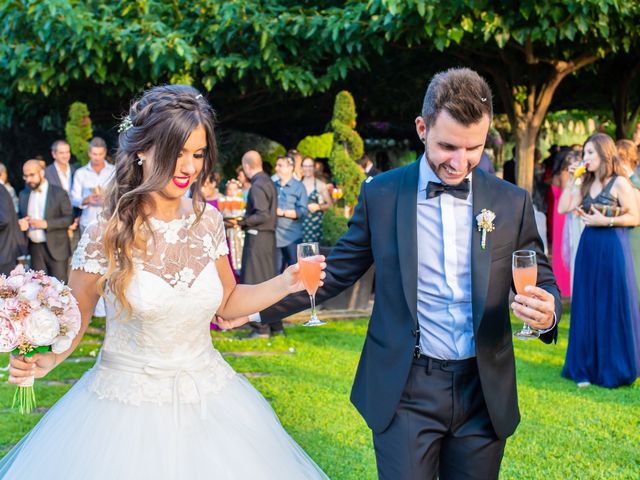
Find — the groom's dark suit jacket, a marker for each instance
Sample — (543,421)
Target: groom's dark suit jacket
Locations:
(383,231)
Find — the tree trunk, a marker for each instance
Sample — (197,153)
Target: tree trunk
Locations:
(525,135)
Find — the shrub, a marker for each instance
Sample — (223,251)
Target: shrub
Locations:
(334,224)
(79,131)
(347,148)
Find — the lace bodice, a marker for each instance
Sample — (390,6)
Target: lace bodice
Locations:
(174,293)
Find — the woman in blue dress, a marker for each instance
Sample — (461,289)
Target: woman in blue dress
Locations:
(604,337)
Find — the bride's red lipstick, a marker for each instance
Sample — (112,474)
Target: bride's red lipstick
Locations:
(181,182)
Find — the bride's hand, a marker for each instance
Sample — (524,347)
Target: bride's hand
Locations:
(293,279)
(38,366)
(229,324)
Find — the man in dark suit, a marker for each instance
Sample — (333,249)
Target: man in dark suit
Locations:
(60,173)
(12,243)
(436,380)
(259,223)
(367,166)
(46,214)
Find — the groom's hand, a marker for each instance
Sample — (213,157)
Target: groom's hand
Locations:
(536,308)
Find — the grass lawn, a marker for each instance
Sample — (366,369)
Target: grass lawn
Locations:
(565,433)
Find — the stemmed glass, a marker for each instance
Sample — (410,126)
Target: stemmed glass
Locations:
(309,261)
(525,272)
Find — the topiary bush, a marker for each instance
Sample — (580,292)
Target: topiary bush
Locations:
(346,149)
(79,131)
(334,224)
(316,146)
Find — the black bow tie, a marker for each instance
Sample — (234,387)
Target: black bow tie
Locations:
(460,191)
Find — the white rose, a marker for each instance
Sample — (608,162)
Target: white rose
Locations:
(61,344)
(30,291)
(41,327)
(16,281)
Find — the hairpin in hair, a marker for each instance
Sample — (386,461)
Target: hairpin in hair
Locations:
(125,125)
(483,99)
(199,96)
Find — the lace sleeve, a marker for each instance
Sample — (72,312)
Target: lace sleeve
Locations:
(89,255)
(215,239)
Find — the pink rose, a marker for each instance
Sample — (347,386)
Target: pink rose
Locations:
(11,304)
(49,291)
(71,319)
(9,334)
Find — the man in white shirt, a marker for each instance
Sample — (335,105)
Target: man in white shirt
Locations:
(89,182)
(45,214)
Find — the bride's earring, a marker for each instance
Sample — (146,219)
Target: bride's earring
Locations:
(140,160)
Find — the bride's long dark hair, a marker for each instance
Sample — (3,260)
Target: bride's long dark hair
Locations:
(159,122)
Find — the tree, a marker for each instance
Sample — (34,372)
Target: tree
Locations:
(527,47)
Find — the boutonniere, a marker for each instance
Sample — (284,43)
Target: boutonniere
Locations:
(485,225)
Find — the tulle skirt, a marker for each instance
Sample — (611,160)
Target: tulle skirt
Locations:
(85,437)
(604,336)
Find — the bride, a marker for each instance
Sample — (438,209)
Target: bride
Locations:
(160,402)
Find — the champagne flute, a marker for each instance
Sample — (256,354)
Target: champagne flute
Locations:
(310,271)
(525,273)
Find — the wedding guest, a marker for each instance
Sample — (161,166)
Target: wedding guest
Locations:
(235,235)
(46,214)
(367,166)
(4,181)
(292,208)
(259,223)
(559,178)
(509,168)
(604,337)
(319,201)
(628,158)
(88,189)
(60,173)
(210,191)
(573,224)
(12,241)
(90,181)
(297,165)
(244,181)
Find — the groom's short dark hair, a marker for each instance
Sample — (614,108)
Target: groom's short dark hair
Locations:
(463,93)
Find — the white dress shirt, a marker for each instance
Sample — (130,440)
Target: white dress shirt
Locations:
(445,225)
(65,178)
(35,210)
(85,180)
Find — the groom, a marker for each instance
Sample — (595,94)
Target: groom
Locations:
(436,380)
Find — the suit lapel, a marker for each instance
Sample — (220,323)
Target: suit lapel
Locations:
(47,203)
(407,236)
(480,258)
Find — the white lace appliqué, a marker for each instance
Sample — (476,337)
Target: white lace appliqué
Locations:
(174,293)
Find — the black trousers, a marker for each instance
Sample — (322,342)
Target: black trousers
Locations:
(441,428)
(259,265)
(41,259)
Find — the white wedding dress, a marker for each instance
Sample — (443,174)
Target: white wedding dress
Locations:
(161,402)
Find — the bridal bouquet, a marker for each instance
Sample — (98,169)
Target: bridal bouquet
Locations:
(37,314)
